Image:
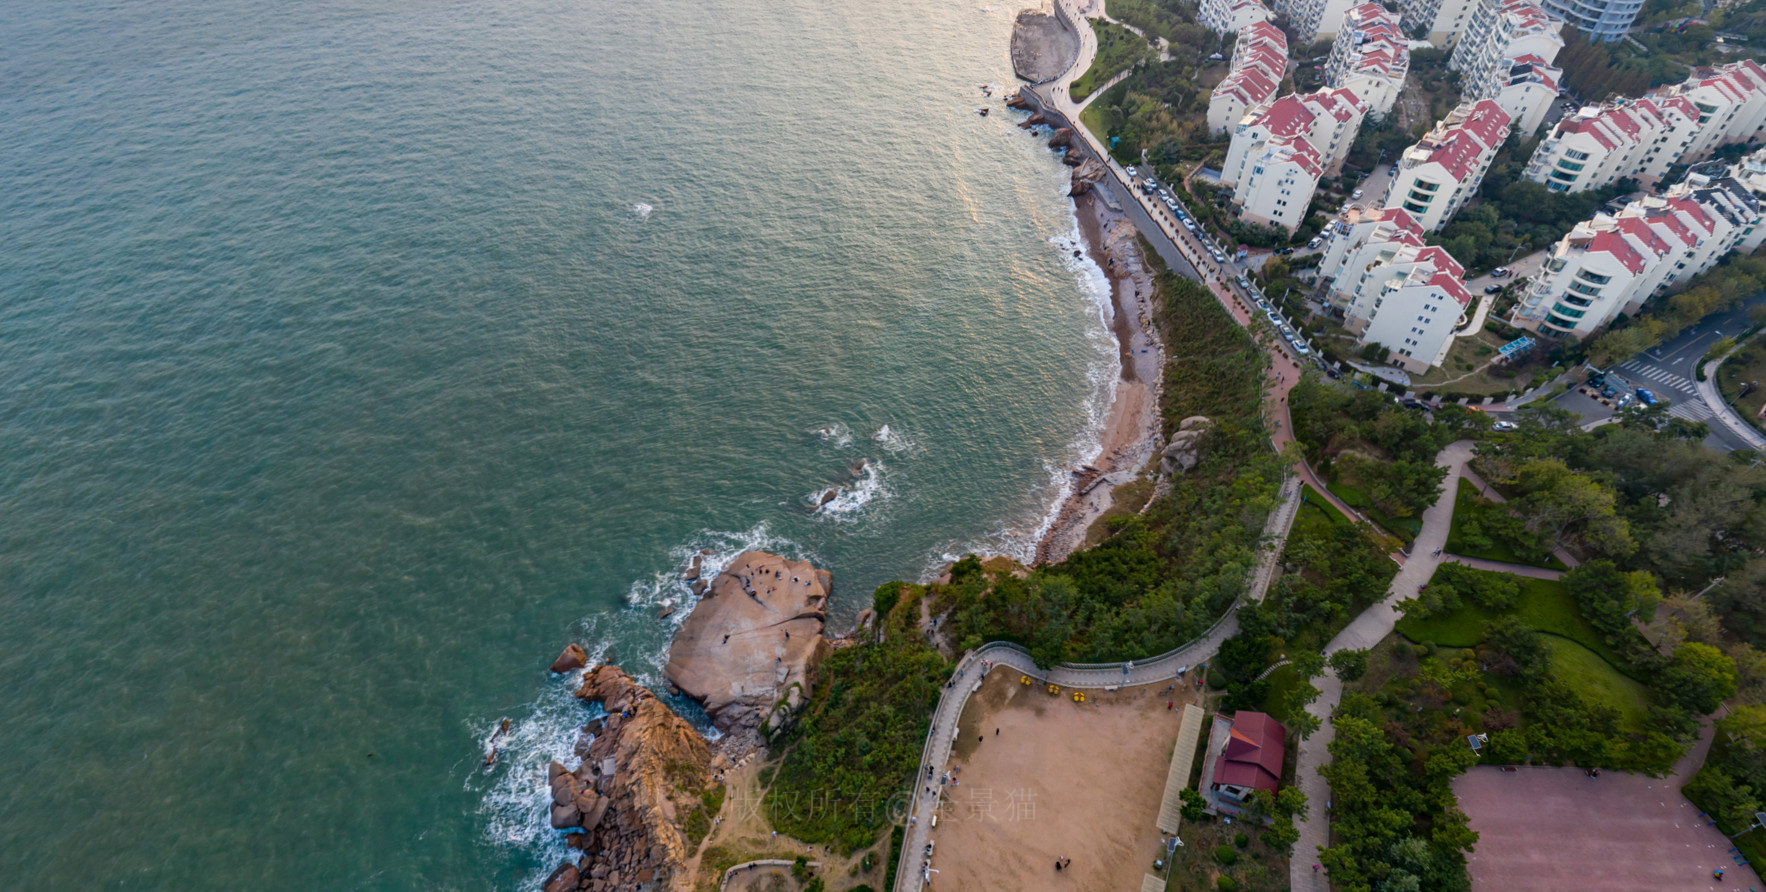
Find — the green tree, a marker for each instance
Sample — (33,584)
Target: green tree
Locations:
(1350,665)
(1699,678)
(1610,598)
(1571,508)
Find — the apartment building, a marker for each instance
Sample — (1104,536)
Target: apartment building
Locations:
(1506,55)
(1531,88)
(1315,20)
(1230,16)
(1639,138)
(1440,22)
(1266,144)
(1370,58)
(1436,177)
(1676,124)
(1329,119)
(1395,290)
(1614,263)
(1282,174)
(1260,60)
(1602,20)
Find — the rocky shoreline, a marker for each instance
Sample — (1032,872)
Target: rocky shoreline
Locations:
(1131,432)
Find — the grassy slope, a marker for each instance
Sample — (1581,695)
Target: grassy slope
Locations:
(1590,676)
(1118,48)
(1544,605)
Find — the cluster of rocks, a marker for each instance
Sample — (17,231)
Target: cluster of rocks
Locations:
(747,650)
(642,767)
(1184,451)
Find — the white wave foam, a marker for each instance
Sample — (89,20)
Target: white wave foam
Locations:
(642,211)
(892,440)
(838,434)
(850,500)
(516,798)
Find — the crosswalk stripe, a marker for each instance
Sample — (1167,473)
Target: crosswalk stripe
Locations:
(1690,411)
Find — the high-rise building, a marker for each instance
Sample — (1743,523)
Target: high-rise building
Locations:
(1370,58)
(1615,263)
(1506,55)
(1230,16)
(1393,289)
(1315,20)
(1601,20)
(1436,177)
(1638,138)
(1260,60)
(1263,147)
(1440,22)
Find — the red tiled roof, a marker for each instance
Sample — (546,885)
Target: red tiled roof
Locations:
(1693,209)
(1611,242)
(1639,229)
(1253,753)
(1287,116)
(1454,286)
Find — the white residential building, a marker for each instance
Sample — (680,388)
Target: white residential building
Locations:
(1506,55)
(1597,145)
(1395,290)
(1370,58)
(1282,173)
(1229,16)
(1436,177)
(1531,88)
(1603,20)
(1676,124)
(1613,264)
(1315,20)
(1440,22)
(1260,60)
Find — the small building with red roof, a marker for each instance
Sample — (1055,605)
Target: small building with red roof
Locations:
(1246,756)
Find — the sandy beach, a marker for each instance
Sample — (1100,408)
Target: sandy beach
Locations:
(1131,432)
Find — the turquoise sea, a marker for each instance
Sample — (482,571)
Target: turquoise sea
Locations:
(357,355)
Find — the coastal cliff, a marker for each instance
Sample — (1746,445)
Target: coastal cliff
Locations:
(747,650)
(644,769)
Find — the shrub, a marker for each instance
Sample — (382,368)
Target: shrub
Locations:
(1241,840)
(1226,854)
(1226,884)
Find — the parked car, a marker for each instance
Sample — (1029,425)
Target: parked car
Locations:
(1284,251)
(1409,403)
(1244,283)
(1500,272)
(1355,196)
(1273,318)
(1261,303)
(1333,374)
(1504,426)
(1608,392)
(1316,241)
(1132,171)
(1492,289)
(1218,257)
(1646,398)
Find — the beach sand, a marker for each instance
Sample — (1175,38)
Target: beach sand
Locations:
(1131,432)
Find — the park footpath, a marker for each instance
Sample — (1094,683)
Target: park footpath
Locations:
(1365,631)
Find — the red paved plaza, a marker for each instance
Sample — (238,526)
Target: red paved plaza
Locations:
(1551,829)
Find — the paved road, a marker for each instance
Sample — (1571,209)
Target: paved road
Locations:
(1669,371)
(1362,633)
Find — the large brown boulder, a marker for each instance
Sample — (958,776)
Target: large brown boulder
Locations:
(573,657)
(1088,174)
(752,640)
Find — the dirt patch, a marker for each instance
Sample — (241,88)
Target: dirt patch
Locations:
(1042,47)
(1043,777)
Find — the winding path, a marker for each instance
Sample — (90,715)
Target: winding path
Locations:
(1364,632)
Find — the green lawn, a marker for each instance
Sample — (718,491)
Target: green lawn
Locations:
(1118,48)
(1470,505)
(1315,505)
(1596,680)
(1544,605)
(1281,681)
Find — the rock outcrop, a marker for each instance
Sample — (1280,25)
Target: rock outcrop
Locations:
(573,657)
(1017,101)
(751,642)
(1062,138)
(1184,451)
(1042,46)
(1088,174)
(642,768)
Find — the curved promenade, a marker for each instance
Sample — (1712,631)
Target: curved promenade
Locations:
(970,670)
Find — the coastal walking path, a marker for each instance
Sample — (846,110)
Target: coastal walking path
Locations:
(1723,411)
(974,666)
(1365,631)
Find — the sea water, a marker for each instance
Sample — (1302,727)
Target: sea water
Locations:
(357,355)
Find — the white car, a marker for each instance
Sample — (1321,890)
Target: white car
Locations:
(1355,196)
(1133,173)
(1316,241)
(1504,426)
(1300,348)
